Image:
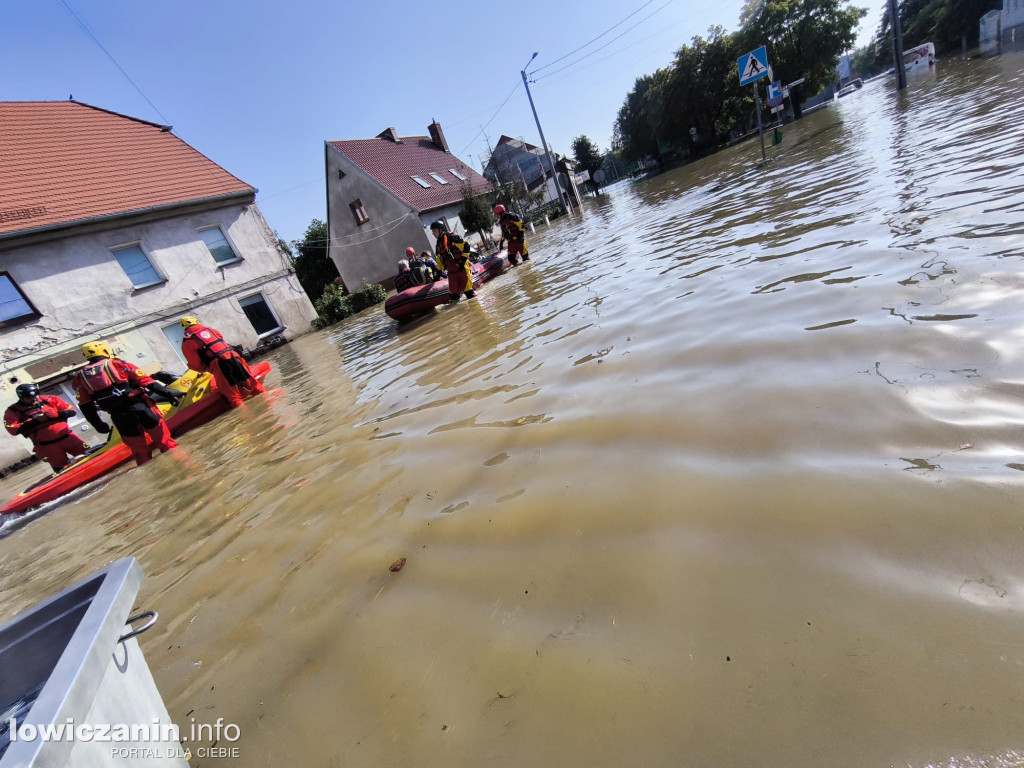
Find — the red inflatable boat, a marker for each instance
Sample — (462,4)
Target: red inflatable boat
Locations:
(423,298)
(201,403)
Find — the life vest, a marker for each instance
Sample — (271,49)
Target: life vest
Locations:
(108,386)
(213,343)
(101,375)
(424,274)
(453,250)
(42,433)
(512,228)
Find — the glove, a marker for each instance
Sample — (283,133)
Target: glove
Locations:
(39,418)
(66,414)
(166,392)
(102,427)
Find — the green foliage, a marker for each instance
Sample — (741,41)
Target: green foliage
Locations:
(313,268)
(865,62)
(805,38)
(588,158)
(335,304)
(635,130)
(701,88)
(941,22)
(476,213)
(284,246)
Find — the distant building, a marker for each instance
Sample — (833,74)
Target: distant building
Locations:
(1003,29)
(514,160)
(382,195)
(112,228)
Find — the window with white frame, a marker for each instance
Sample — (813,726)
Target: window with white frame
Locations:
(456,174)
(437,178)
(136,265)
(218,245)
(14,305)
(421,182)
(262,317)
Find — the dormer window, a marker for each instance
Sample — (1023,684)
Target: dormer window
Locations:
(421,182)
(456,174)
(437,178)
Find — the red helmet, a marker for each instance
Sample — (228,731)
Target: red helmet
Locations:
(410,251)
(499,210)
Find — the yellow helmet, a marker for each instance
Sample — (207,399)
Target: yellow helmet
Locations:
(93,349)
(188,321)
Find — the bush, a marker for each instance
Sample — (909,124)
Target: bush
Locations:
(335,304)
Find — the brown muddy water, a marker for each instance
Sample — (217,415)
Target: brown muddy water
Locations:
(730,475)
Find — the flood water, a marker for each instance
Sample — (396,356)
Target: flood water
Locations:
(732,474)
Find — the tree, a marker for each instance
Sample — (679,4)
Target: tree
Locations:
(805,38)
(635,131)
(476,213)
(705,87)
(942,22)
(588,157)
(284,246)
(313,268)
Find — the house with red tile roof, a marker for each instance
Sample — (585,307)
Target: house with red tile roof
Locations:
(113,228)
(382,195)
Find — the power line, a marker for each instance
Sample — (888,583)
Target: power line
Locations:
(588,55)
(570,53)
(484,126)
(119,67)
(628,47)
(292,189)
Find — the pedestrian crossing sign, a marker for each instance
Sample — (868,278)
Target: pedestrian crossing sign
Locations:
(753,66)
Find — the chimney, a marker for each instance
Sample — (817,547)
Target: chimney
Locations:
(390,134)
(437,136)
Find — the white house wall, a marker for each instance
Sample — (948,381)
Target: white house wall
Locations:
(82,294)
(1012,19)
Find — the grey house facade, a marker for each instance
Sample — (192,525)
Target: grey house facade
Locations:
(382,195)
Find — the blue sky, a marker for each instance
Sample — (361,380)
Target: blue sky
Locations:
(259,86)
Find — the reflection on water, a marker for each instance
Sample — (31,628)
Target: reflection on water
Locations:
(730,474)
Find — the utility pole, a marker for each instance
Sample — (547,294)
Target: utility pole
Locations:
(897,46)
(543,141)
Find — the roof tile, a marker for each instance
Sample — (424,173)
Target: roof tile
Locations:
(394,165)
(65,161)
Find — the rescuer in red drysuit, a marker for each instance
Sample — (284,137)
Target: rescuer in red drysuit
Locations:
(453,257)
(43,419)
(122,390)
(513,230)
(205,350)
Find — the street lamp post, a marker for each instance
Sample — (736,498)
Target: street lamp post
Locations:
(543,141)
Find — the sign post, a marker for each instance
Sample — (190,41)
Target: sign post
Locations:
(753,66)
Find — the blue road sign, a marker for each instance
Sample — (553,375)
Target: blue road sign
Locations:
(775,95)
(753,66)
